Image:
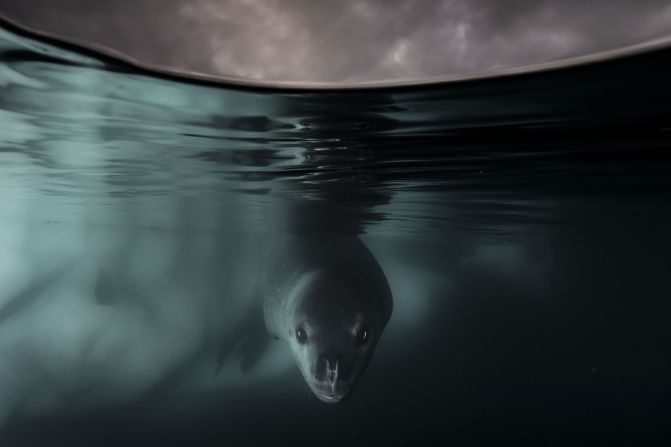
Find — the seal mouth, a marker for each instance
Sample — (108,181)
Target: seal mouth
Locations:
(330,393)
(330,398)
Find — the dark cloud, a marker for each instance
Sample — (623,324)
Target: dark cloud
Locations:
(347,40)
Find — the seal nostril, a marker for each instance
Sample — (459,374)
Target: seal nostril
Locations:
(331,370)
(330,367)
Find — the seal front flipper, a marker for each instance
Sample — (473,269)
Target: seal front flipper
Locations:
(253,346)
(248,340)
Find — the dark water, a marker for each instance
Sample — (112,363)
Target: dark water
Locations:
(522,224)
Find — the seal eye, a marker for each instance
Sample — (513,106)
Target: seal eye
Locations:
(362,336)
(301,335)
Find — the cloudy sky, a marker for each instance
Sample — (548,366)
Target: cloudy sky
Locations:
(347,40)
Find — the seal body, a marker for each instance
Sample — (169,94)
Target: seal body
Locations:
(328,298)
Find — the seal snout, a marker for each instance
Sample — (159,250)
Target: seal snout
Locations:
(329,385)
(331,372)
(329,367)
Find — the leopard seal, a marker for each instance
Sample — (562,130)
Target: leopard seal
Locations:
(327,297)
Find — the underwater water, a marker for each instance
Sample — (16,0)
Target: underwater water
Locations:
(521,222)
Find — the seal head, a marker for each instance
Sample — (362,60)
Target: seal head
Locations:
(333,332)
(327,297)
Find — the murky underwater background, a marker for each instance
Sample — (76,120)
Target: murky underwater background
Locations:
(522,223)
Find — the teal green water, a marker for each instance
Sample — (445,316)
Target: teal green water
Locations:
(521,223)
